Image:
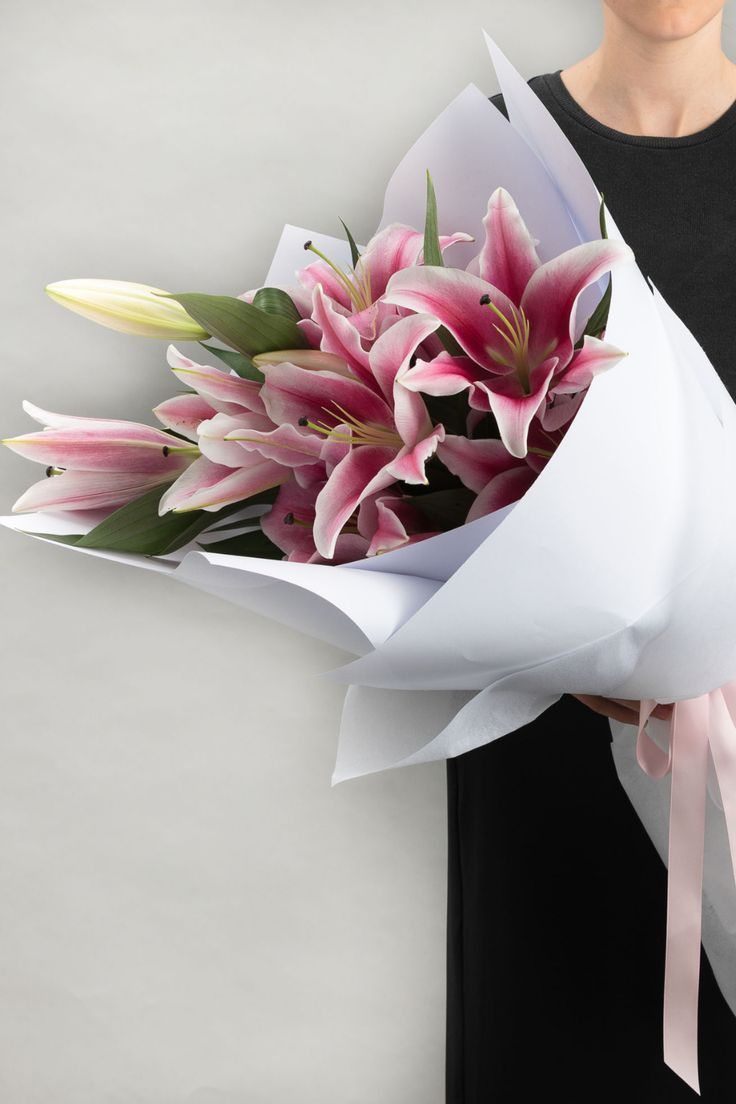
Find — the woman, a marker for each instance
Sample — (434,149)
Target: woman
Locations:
(556,894)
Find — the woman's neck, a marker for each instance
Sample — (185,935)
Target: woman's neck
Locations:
(664,86)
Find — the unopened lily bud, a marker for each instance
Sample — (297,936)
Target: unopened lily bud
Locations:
(128,307)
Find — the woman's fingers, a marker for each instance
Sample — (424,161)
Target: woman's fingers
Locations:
(622,709)
(610,707)
(663,710)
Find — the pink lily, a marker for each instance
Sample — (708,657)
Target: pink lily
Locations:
(381,523)
(485,466)
(224,472)
(289,524)
(525,349)
(356,294)
(95,462)
(393,520)
(386,427)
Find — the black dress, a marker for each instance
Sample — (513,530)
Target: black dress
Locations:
(556,914)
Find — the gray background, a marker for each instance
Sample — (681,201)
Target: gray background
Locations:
(188,910)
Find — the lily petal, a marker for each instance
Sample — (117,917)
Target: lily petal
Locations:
(593,357)
(511,406)
(136,430)
(348,547)
(309,475)
(551,296)
(453,296)
(443,375)
(508,257)
(335,448)
(504,488)
(183,413)
(291,393)
(320,272)
(391,352)
(315,359)
(285,443)
(408,463)
(340,336)
(127,449)
(560,411)
(86,490)
(476,461)
(388,520)
(359,473)
(289,521)
(208,486)
(225,391)
(213,437)
(394,247)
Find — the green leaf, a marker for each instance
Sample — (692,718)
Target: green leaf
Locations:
(602,219)
(255,543)
(241,364)
(440,479)
(599,317)
(487,428)
(452,345)
(267,497)
(276,301)
(432,251)
(445,509)
(433,256)
(451,410)
(354,253)
(241,326)
(137,527)
(69,538)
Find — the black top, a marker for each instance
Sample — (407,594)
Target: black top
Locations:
(556,906)
(691,259)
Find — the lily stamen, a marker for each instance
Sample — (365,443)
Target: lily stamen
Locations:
(517,340)
(361,433)
(292,519)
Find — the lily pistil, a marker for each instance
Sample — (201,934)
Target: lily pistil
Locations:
(357,287)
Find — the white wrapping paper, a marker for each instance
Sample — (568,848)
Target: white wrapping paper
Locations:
(612,575)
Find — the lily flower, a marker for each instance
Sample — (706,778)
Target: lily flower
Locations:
(223,472)
(485,466)
(357,293)
(95,462)
(340,306)
(382,522)
(385,426)
(289,524)
(515,320)
(129,307)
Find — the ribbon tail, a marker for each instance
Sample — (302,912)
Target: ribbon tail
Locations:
(689,749)
(723,749)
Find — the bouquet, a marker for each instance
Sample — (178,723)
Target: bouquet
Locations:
(482,455)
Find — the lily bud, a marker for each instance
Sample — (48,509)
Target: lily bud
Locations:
(128,307)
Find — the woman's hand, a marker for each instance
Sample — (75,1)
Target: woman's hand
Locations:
(622,709)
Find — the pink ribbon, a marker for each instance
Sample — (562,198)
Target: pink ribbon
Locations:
(695,725)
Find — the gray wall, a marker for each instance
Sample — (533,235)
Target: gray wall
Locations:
(189,912)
